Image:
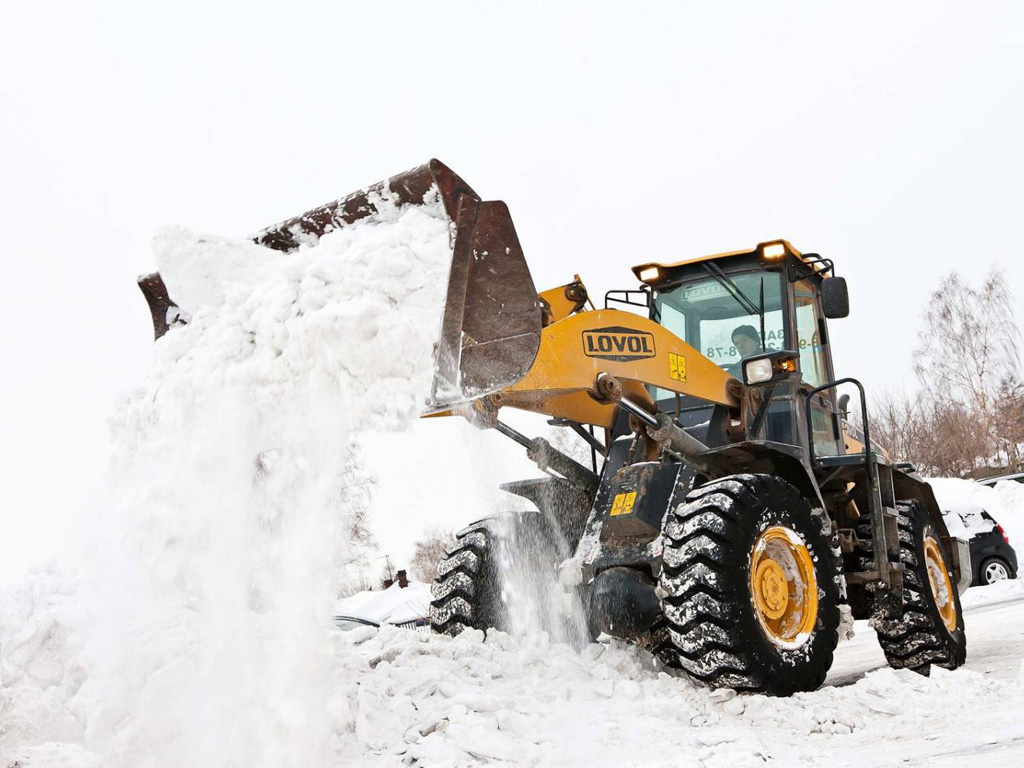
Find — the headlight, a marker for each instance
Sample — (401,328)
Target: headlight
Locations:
(769,367)
(651,273)
(757,371)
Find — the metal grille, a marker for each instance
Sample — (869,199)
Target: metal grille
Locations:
(417,625)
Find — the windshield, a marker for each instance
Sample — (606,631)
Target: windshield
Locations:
(720,315)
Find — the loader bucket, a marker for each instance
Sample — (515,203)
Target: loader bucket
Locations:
(490,332)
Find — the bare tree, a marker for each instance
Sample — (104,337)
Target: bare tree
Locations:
(970,342)
(1009,424)
(357,484)
(897,424)
(427,554)
(967,418)
(939,438)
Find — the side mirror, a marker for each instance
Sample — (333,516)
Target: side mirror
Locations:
(844,404)
(835,299)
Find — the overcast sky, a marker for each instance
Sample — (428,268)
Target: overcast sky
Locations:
(885,136)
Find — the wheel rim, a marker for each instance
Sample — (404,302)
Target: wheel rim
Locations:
(995,572)
(783,586)
(942,587)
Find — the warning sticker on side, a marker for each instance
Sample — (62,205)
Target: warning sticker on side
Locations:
(623,504)
(676,367)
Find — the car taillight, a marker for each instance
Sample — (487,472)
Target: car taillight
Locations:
(1002,533)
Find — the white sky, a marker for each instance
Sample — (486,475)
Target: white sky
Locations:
(885,136)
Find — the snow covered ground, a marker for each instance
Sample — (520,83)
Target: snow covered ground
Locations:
(431,699)
(410,698)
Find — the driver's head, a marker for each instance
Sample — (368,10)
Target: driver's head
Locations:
(746,340)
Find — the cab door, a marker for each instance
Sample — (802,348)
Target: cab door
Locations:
(811,337)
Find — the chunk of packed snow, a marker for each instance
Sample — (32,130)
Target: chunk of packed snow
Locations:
(198,269)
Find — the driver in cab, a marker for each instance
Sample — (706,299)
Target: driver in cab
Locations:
(747,341)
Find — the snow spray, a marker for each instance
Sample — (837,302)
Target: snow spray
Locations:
(216,559)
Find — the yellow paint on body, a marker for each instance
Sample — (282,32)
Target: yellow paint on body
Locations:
(566,368)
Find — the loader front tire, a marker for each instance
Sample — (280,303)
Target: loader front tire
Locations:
(751,586)
(926,627)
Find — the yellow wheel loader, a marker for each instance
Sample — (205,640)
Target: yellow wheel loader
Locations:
(729,514)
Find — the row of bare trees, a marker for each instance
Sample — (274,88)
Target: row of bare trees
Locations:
(967,419)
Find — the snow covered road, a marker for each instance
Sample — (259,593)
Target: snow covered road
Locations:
(994,620)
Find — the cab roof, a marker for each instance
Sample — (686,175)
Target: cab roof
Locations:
(769,250)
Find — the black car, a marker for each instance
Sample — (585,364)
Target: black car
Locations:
(992,557)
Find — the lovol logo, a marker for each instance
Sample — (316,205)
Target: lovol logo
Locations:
(622,344)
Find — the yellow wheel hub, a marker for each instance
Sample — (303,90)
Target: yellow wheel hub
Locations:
(942,587)
(783,586)
(772,588)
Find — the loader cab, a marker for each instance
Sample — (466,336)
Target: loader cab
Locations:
(764,303)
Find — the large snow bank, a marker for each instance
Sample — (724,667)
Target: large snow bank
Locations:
(393,605)
(198,634)
(1004,501)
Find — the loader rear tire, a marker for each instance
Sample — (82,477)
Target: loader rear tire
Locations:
(927,627)
(658,642)
(474,591)
(752,586)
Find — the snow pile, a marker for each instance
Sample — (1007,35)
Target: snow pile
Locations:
(431,700)
(1005,501)
(393,605)
(1007,590)
(199,634)
(38,671)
